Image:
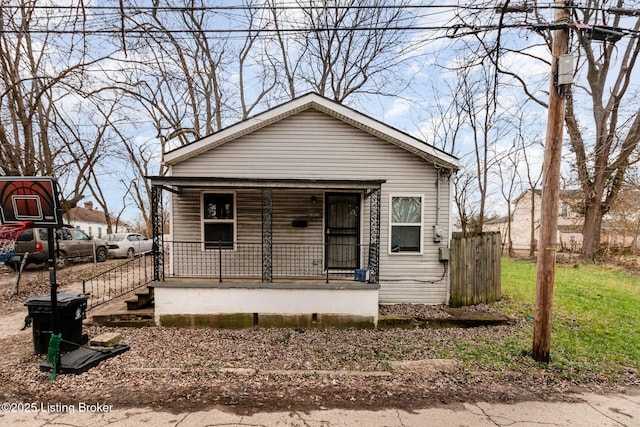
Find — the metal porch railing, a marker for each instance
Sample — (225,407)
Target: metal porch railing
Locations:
(119,280)
(234,260)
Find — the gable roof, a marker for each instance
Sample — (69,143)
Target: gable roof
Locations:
(571,196)
(93,216)
(86,215)
(327,106)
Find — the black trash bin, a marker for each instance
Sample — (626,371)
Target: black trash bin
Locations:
(71,312)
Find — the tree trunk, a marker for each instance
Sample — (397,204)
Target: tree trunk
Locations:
(509,237)
(591,230)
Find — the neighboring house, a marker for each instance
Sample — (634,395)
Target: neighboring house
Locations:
(93,221)
(273,218)
(570,222)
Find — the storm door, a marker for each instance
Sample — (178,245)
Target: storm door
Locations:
(342,231)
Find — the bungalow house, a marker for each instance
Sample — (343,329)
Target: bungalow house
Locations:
(93,221)
(308,214)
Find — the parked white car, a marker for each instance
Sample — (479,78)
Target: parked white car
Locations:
(127,244)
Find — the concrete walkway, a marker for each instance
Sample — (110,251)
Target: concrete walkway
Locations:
(589,410)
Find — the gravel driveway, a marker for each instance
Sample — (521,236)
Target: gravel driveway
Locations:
(268,369)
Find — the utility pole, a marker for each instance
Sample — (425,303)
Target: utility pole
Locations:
(550,193)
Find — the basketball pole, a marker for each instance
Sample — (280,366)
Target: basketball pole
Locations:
(51,262)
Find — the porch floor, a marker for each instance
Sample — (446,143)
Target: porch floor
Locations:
(320,282)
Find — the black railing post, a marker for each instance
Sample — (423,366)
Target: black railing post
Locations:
(145,269)
(374,236)
(220,261)
(326,251)
(158,233)
(267,235)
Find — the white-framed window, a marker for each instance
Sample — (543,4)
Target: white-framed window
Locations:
(218,220)
(406,223)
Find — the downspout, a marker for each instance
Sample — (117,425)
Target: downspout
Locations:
(437,229)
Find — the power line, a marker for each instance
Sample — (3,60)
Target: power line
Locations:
(457,30)
(279,7)
(506,8)
(266,30)
(524,7)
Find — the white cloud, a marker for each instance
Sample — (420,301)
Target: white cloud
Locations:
(399,108)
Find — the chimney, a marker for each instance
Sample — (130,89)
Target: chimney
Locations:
(88,205)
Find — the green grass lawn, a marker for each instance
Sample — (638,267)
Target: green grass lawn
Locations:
(596,324)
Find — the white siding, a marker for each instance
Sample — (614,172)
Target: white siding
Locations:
(312,145)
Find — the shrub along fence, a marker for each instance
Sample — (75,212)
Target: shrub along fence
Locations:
(475,268)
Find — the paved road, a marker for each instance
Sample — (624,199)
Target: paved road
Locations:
(590,410)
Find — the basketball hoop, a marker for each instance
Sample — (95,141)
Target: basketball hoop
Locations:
(9,233)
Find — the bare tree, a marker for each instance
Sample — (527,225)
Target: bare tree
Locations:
(445,122)
(85,133)
(533,179)
(466,210)
(339,48)
(509,177)
(177,72)
(37,70)
(140,158)
(44,87)
(476,100)
(249,57)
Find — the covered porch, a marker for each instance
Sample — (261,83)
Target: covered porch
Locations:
(248,252)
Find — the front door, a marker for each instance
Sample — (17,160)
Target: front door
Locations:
(342,231)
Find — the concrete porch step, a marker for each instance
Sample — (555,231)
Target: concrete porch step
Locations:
(141,300)
(139,319)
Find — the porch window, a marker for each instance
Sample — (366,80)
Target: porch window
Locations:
(218,220)
(406,224)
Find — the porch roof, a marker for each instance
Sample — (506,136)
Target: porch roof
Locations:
(176,183)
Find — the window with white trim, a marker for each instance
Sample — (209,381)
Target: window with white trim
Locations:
(405,224)
(218,220)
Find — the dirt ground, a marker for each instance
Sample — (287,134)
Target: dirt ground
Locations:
(267,369)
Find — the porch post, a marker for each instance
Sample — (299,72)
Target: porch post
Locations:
(157,225)
(267,235)
(374,236)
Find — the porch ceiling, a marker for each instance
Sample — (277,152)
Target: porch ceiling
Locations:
(178,182)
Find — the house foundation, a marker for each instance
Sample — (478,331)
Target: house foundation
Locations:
(235,305)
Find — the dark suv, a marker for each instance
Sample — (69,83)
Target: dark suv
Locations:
(73,244)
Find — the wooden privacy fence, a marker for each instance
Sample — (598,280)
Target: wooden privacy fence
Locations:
(475,268)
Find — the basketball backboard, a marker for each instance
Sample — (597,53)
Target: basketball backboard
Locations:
(29,199)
